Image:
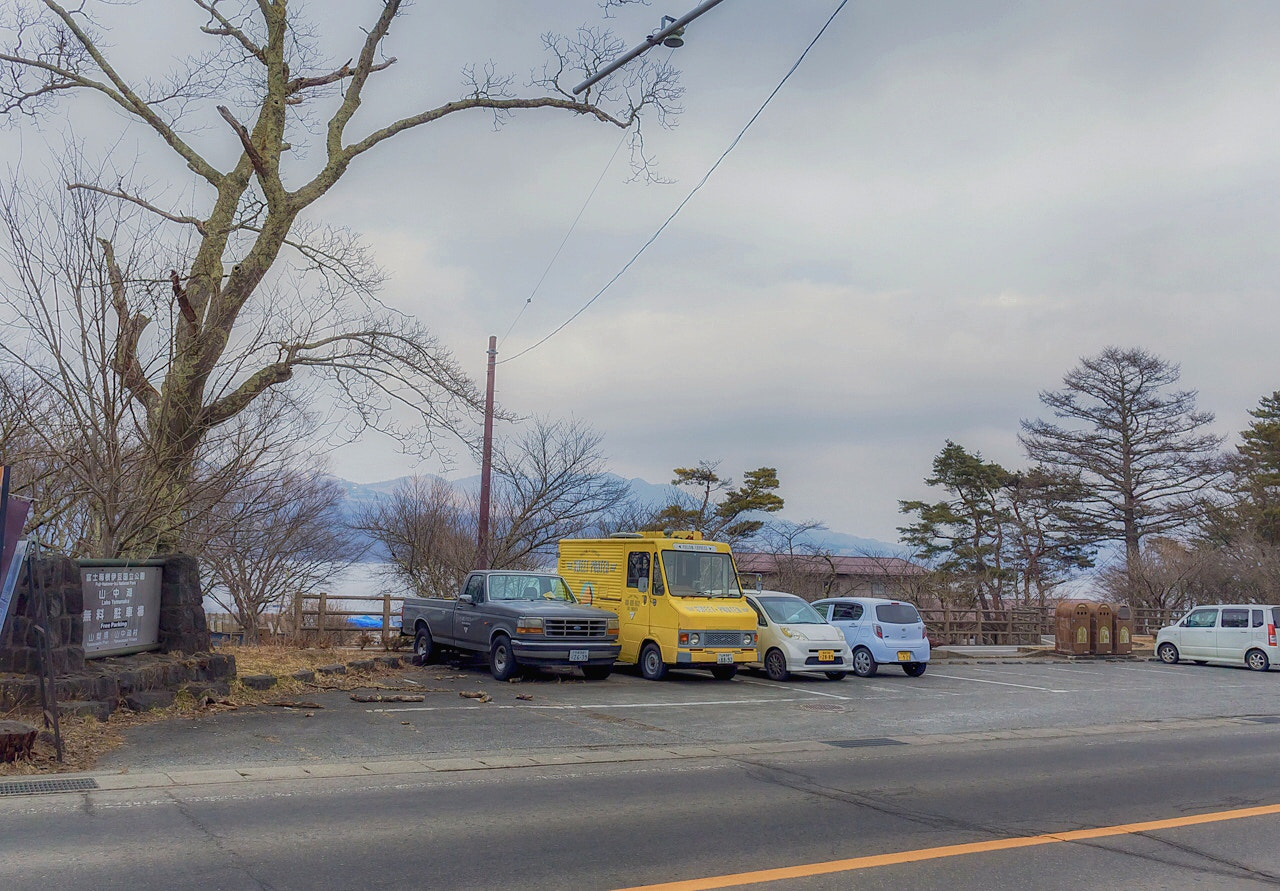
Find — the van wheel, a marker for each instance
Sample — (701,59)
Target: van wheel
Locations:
(1167,653)
(502,661)
(864,664)
(775,665)
(652,668)
(915,669)
(724,672)
(1257,660)
(423,646)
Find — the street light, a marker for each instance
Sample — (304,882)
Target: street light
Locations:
(670,33)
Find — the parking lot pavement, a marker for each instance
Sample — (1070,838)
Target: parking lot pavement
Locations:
(557,713)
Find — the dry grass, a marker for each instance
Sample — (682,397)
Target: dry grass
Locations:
(85,739)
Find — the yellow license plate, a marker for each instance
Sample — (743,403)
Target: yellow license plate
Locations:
(904,655)
(826,655)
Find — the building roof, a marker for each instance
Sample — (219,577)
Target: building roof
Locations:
(859,566)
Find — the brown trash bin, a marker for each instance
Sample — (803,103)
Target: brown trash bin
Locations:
(1072,630)
(1122,630)
(1100,628)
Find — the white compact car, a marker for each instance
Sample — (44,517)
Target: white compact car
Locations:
(879,631)
(1227,634)
(794,639)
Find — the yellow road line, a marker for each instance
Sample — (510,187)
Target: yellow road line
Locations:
(1004,844)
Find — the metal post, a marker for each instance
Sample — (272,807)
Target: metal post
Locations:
(654,39)
(486,463)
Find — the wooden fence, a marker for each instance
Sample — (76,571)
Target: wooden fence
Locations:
(1017,626)
(319,619)
(322,619)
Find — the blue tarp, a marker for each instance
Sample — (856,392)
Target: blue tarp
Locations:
(371,621)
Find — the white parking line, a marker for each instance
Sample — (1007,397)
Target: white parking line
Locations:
(796,689)
(952,677)
(586,708)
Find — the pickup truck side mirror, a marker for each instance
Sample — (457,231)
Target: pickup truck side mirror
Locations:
(465,598)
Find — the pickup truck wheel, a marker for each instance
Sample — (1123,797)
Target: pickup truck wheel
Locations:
(424,648)
(652,668)
(502,661)
(724,672)
(596,672)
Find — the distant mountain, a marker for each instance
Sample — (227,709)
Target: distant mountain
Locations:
(359,495)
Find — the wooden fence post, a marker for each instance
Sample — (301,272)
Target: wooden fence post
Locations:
(320,619)
(386,619)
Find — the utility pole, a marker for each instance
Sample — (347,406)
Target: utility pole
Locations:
(670,33)
(486,462)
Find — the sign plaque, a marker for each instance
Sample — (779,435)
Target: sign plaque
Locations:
(121,609)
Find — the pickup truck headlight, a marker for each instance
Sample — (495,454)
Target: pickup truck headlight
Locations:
(528,625)
(611,628)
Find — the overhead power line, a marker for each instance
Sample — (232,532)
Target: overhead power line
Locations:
(732,145)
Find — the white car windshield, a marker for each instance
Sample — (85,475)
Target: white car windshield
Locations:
(791,611)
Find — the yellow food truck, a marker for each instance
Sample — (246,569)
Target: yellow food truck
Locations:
(677,597)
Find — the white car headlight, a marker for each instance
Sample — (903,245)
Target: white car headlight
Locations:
(794,633)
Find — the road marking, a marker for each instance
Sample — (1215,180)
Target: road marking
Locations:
(1004,844)
(797,689)
(952,677)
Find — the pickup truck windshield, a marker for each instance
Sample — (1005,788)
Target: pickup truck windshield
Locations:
(692,574)
(529,586)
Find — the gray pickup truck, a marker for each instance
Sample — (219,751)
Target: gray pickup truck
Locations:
(516,618)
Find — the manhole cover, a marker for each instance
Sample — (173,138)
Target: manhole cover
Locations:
(822,707)
(39,787)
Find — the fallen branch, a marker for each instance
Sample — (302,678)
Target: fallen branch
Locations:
(378,697)
(286,704)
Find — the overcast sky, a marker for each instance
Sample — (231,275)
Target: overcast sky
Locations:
(944,209)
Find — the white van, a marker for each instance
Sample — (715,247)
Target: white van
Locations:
(1228,634)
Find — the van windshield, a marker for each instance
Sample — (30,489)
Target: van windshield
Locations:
(700,574)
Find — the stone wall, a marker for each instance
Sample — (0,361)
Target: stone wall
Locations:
(112,682)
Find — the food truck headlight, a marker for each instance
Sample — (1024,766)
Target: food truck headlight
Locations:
(749,640)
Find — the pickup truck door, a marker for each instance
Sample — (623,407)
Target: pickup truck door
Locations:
(469,629)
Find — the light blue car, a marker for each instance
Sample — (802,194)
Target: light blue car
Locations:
(879,631)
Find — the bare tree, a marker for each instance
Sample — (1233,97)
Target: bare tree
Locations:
(1139,449)
(794,563)
(428,532)
(552,483)
(276,538)
(214,321)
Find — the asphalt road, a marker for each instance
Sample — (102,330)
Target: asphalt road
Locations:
(820,813)
(975,776)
